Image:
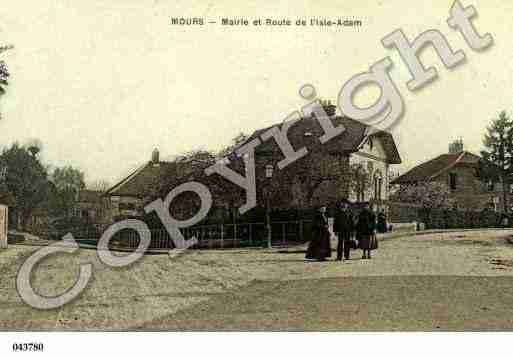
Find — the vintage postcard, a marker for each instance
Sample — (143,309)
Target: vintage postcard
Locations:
(313,166)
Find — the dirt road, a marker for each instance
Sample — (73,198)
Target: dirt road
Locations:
(452,281)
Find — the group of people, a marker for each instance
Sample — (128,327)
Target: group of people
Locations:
(354,232)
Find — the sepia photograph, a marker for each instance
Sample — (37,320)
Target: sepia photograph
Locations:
(296,174)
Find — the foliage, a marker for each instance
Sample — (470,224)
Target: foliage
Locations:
(236,142)
(196,158)
(4,71)
(190,166)
(26,179)
(498,150)
(498,142)
(68,183)
(430,195)
(359,180)
(450,218)
(34,146)
(99,186)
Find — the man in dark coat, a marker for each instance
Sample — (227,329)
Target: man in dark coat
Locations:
(365,231)
(343,227)
(319,247)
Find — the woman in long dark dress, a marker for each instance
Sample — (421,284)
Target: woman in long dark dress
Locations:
(319,247)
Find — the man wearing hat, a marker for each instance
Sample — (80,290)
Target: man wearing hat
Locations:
(343,226)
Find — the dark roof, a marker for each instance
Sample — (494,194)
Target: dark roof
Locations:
(145,180)
(348,141)
(142,181)
(431,169)
(388,142)
(89,196)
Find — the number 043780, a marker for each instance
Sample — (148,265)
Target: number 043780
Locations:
(28,347)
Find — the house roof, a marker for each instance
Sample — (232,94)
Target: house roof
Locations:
(144,180)
(140,182)
(431,169)
(348,141)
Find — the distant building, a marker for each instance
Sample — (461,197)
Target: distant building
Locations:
(91,207)
(471,186)
(127,197)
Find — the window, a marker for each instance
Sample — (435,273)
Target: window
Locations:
(453,181)
(75,212)
(378,184)
(370,166)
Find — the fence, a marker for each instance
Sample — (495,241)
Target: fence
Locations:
(446,218)
(440,218)
(224,235)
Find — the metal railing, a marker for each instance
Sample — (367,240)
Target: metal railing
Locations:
(224,235)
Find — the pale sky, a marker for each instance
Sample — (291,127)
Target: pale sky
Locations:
(103,82)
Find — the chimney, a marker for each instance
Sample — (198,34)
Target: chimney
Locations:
(456,146)
(155,156)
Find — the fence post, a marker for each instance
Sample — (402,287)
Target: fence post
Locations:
(301,230)
(4,219)
(283,230)
(222,236)
(234,234)
(250,235)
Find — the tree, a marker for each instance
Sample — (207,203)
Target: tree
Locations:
(99,186)
(195,158)
(34,146)
(314,171)
(429,195)
(236,142)
(498,143)
(318,178)
(26,179)
(4,71)
(68,183)
(359,180)
(190,166)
